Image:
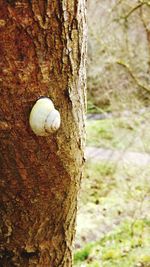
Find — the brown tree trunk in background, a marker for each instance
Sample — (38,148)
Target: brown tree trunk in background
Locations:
(42,53)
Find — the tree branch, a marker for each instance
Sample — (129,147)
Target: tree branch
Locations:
(127,67)
(135,8)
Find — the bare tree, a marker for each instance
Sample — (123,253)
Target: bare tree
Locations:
(119,54)
(42,53)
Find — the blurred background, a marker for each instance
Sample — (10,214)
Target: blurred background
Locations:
(113,222)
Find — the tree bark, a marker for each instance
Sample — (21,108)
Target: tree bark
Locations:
(42,53)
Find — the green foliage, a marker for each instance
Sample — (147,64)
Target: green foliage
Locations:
(120,133)
(83,254)
(99,181)
(93,108)
(101,169)
(114,197)
(99,131)
(121,248)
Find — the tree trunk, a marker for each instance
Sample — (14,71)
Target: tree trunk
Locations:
(42,53)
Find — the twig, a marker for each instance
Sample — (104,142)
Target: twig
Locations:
(135,8)
(127,67)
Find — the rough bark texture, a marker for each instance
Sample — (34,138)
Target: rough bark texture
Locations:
(42,53)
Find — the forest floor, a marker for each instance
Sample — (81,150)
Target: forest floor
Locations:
(113,222)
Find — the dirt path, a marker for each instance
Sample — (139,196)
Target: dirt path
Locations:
(125,157)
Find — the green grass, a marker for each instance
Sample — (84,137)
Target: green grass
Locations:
(108,183)
(113,201)
(92,108)
(99,180)
(116,197)
(120,133)
(127,246)
(83,254)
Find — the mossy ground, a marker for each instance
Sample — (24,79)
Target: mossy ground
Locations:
(113,223)
(126,132)
(127,246)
